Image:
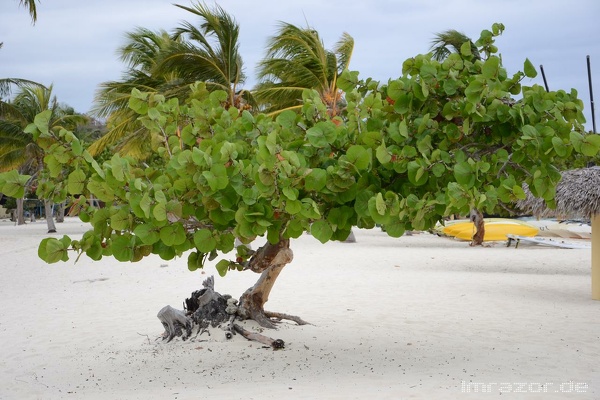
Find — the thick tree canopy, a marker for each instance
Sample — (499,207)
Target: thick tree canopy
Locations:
(443,138)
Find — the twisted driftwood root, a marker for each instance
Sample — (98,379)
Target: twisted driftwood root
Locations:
(175,323)
(276,344)
(208,308)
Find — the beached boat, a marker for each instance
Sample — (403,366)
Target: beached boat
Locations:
(495,229)
(548,241)
(569,229)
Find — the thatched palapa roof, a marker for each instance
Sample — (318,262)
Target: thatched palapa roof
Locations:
(577,196)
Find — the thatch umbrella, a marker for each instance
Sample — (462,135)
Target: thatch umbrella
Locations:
(577,196)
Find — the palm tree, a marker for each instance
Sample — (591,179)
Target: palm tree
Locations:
(169,64)
(140,53)
(192,56)
(450,41)
(18,149)
(296,60)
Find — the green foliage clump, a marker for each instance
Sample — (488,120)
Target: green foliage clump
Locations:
(442,139)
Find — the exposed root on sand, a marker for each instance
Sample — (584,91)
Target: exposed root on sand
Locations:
(207,308)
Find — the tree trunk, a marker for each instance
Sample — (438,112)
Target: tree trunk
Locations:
(269,260)
(49,219)
(477,219)
(60,212)
(207,308)
(20,212)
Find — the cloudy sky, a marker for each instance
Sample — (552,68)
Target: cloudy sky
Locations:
(73,45)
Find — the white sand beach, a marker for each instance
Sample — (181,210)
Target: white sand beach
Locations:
(419,317)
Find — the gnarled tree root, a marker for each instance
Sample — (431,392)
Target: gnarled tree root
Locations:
(278,317)
(208,308)
(276,344)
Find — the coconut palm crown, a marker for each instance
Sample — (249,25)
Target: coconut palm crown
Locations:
(168,64)
(296,60)
(450,41)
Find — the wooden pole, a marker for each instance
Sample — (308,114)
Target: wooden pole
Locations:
(596,257)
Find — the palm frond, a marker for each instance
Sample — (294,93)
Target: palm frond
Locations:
(450,41)
(296,59)
(31,7)
(344,49)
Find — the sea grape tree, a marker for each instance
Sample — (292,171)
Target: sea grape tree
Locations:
(444,138)
(462,136)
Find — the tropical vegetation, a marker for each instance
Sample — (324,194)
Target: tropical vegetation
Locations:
(168,64)
(445,138)
(19,151)
(296,60)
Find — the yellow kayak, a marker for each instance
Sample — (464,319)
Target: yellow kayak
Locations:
(495,229)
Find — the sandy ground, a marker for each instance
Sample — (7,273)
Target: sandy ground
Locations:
(420,317)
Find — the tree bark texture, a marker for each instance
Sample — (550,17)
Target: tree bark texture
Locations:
(60,212)
(49,217)
(20,212)
(477,219)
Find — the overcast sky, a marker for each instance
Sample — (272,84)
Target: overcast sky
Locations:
(73,45)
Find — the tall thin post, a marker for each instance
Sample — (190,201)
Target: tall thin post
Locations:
(589,69)
(596,257)
(544,77)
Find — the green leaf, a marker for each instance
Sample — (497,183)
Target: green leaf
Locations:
(395,89)
(222,267)
(290,193)
(101,190)
(43,251)
(147,233)
(160,212)
(463,173)
(293,206)
(382,154)
(491,67)
(321,230)
(137,102)
(380,204)
(13,184)
(590,145)
(320,135)
(119,219)
(194,260)
(76,182)
(145,204)
(529,69)
(395,228)
(204,241)
(122,247)
(315,180)
(116,164)
(77,147)
(173,234)
(519,192)
(417,174)
(559,147)
(287,118)
(576,140)
(42,120)
(359,156)
(465,49)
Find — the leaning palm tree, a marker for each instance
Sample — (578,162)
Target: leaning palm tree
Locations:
(450,41)
(169,64)
(18,148)
(296,60)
